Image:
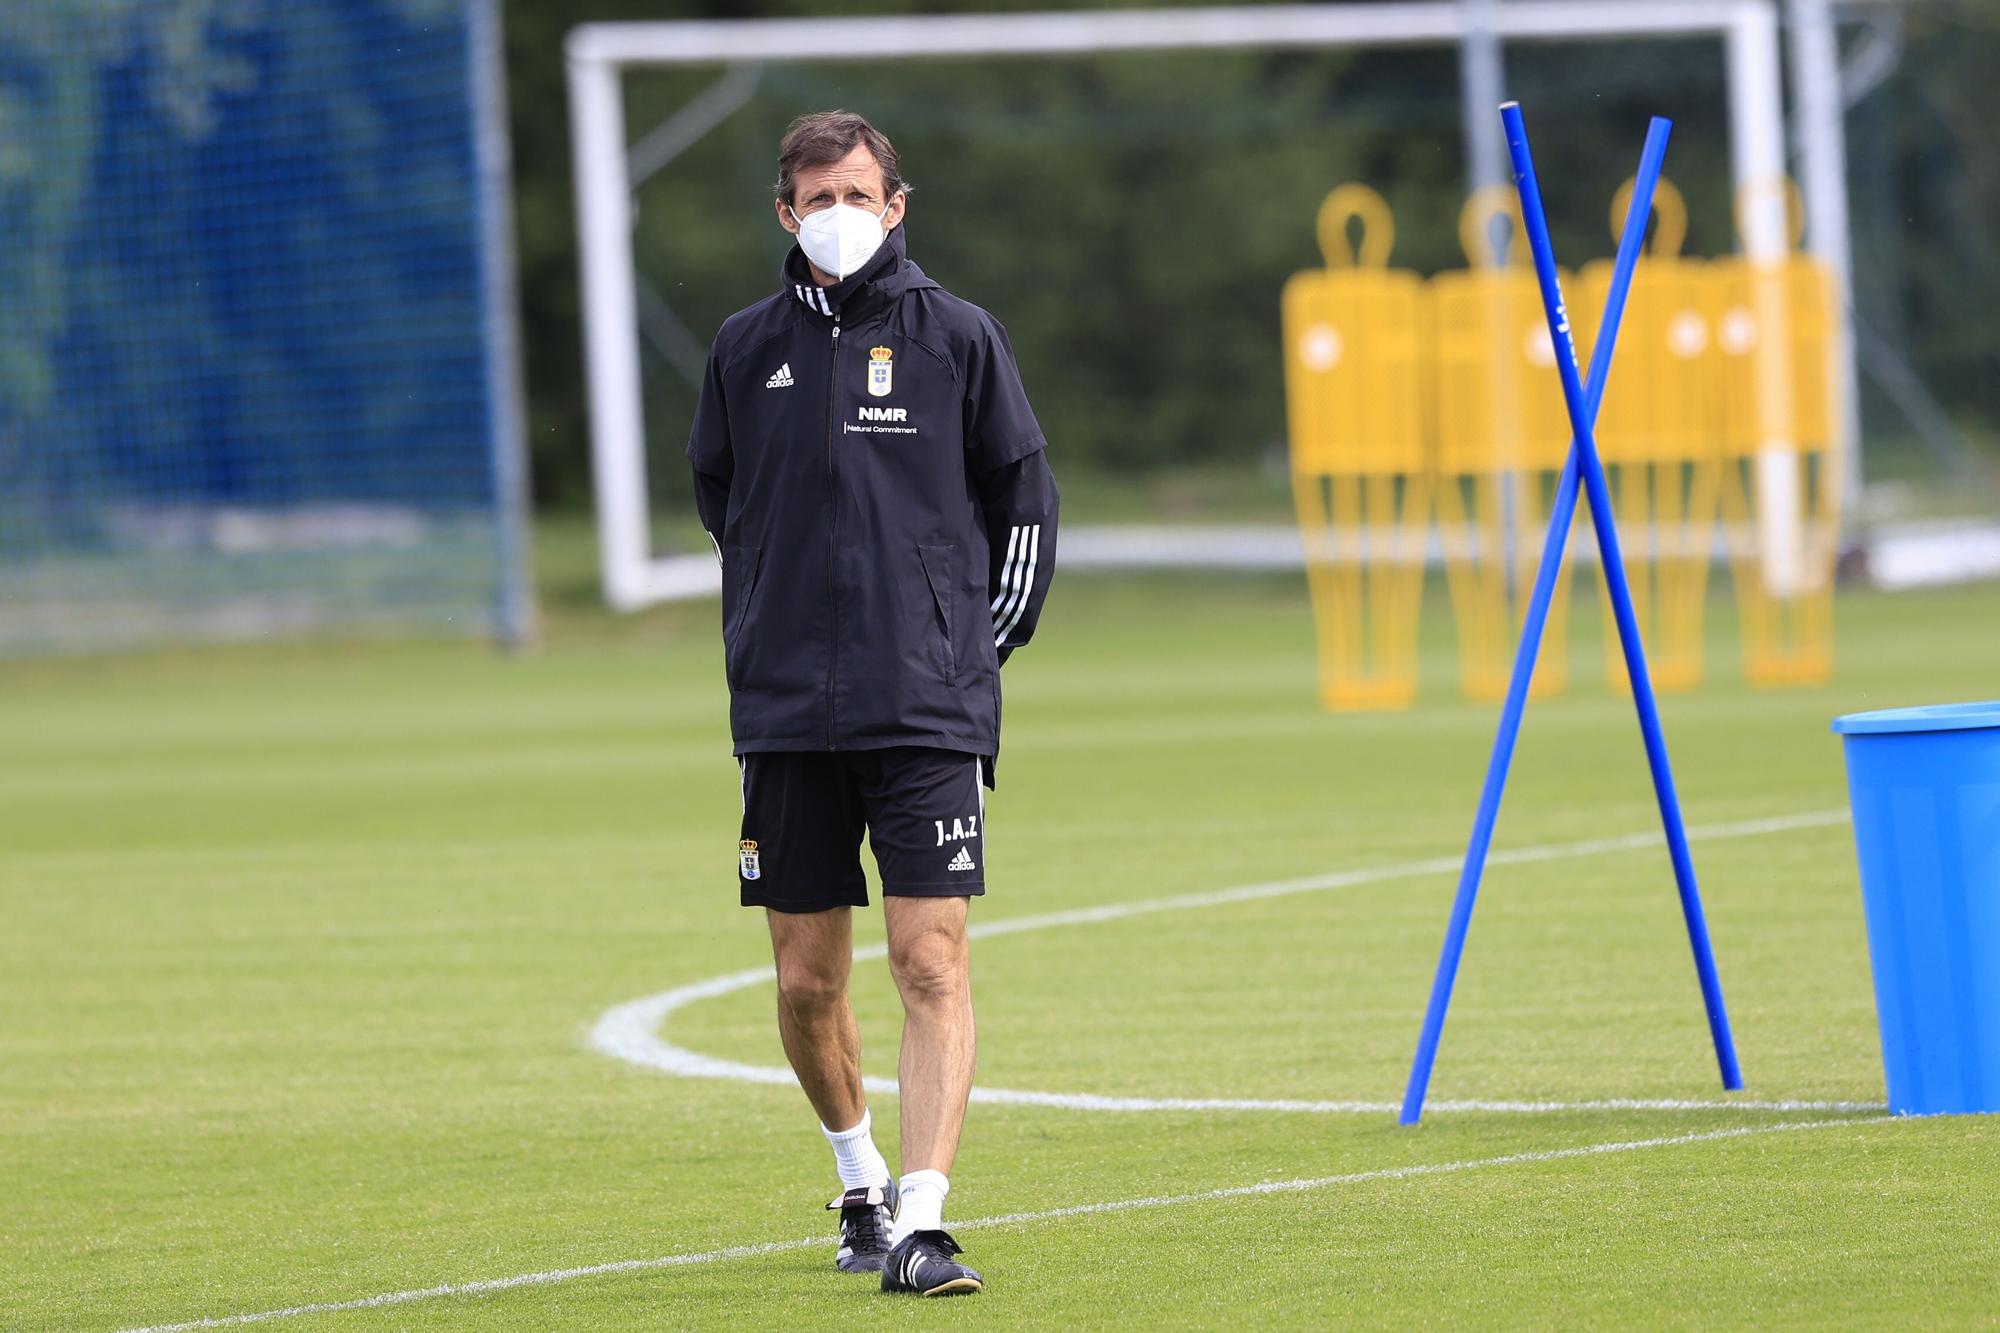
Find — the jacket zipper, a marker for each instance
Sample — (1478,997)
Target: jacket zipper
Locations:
(833,532)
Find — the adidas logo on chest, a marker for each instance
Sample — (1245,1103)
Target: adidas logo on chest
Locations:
(781,378)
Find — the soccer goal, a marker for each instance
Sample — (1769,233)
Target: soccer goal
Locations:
(609,166)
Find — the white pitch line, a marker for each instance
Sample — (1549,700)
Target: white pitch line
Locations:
(632,1031)
(1294,1186)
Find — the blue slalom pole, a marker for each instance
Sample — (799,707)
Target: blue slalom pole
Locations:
(1630,245)
(1582,415)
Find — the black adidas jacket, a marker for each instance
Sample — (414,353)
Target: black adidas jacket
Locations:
(873,477)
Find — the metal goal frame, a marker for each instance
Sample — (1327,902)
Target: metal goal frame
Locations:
(599,54)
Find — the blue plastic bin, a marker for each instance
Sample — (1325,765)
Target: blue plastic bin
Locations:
(1925,787)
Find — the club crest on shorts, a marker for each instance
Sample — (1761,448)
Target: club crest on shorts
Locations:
(881,371)
(746,858)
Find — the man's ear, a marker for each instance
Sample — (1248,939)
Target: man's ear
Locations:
(785,216)
(894,213)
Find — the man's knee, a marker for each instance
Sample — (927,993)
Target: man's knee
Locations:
(930,964)
(813,954)
(811,985)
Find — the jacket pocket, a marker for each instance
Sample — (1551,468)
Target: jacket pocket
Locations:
(938,562)
(740,567)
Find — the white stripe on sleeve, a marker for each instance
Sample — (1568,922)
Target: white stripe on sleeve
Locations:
(1006,572)
(1027,582)
(1010,580)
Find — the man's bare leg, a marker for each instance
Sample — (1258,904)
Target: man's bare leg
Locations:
(814,952)
(929,958)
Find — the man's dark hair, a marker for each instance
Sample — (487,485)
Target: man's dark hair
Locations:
(827,136)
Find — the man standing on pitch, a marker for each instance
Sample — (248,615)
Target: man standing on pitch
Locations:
(873,477)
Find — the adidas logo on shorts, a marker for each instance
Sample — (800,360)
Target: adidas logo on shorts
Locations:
(781,378)
(963,861)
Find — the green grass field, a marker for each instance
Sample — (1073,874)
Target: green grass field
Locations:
(303,947)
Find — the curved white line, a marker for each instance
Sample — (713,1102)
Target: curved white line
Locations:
(631,1031)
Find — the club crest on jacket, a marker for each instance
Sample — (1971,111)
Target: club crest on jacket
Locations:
(881,369)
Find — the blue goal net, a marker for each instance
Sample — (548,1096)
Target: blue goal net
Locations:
(256,348)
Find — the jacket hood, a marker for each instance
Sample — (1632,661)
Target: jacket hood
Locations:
(880,282)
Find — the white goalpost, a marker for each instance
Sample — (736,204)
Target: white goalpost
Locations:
(635,576)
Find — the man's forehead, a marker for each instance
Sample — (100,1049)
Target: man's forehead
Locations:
(859,167)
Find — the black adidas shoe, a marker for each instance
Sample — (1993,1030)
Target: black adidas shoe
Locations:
(865,1215)
(923,1266)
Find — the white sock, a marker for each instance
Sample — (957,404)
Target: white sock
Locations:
(855,1154)
(920,1203)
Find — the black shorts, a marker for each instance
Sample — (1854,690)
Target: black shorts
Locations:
(924,811)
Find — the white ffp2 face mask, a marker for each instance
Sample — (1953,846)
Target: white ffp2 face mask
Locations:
(840,239)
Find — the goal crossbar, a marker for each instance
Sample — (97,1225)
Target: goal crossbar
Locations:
(1430,22)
